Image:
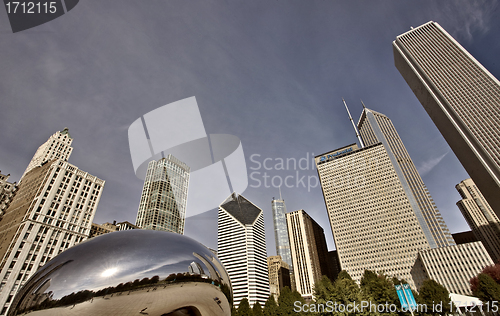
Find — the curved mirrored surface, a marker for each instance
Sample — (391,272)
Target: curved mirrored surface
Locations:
(130,272)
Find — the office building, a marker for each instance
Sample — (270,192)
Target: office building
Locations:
(241,247)
(279,275)
(480,217)
(58,146)
(334,264)
(164,196)
(52,211)
(372,213)
(454,266)
(309,252)
(376,127)
(126,226)
(280,231)
(101,229)
(461,97)
(7,192)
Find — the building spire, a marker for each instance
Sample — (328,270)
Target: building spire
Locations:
(280,192)
(353,125)
(364,107)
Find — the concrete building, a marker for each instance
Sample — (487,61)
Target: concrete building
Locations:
(58,146)
(309,252)
(101,229)
(372,213)
(376,127)
(164,196)
(454,266)
(52,211)
(241,247)
(279,275)
(126,226)
(461,97)
(7,192)
(480,216)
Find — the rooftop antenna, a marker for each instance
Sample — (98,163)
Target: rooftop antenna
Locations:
(364,107)
(280,192)
(353,125)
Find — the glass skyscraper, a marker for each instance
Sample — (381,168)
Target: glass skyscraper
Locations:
(164,196)
(281,231)
(461,97)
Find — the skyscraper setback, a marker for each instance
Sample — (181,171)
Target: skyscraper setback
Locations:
(164,196)
(461,97)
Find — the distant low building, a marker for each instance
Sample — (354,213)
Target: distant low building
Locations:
(279,275)
(101,229)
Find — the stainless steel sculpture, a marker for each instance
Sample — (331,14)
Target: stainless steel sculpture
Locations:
(134,272)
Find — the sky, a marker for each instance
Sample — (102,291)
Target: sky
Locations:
(273,73)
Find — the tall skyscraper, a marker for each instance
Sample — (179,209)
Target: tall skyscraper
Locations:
(52,211)
(280,230)
(241,247)
(164,196)
(375,127)
(480,217)
(58,146)
(461,97)
(372,213)
(309,252)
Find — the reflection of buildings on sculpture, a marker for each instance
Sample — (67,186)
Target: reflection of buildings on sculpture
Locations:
(51,212)
(164,196)
(241,244)
(480,217)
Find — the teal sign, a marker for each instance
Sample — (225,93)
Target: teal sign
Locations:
(406,297)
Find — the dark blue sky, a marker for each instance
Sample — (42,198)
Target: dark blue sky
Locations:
(272,73)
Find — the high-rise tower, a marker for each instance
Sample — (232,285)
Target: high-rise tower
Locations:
(461,97)
(376,127)
(280,230)
(58,146)
(480,217)
(164,196)
(309,252)
(372,214)
(241,247)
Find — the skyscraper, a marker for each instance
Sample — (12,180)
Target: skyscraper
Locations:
(164,196)
(372,213)
(7,192)
(52,211)
(461,97)
(58,146)
(280,230)
(241,246)
(375,127)
(480,217)
(309,252)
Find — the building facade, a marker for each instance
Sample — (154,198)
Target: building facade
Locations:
(309,252)
(241,248)
(376,127)
(101,229)
(454,266)
(480,217)
(52,211)
(281,231)
(372,215)
(461,97)
(7,192)
(164,196)
(279,275)
(58,146)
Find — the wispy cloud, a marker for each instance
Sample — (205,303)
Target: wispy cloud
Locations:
(464,18)
(426,166)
